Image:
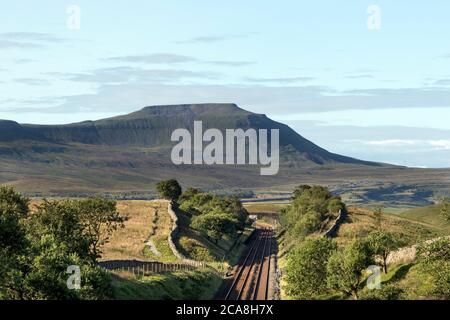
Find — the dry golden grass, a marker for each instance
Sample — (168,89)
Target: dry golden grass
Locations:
(129,242)
(146,220)
(265,207)
(361,222)
(34,203)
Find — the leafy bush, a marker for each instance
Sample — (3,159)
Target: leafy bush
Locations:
(335,205)
(445,209)
(387,292)
(434,261)
(309,207)
(82,225)
(195,250)
(215,225)
(14,246)
(47,277)
(169,189)
(215,216)
(346,267)
(306,268)
(36,249)
(382,243)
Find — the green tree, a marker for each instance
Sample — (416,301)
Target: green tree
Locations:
(382,243)
(13,242)
(299,190)
(345,268)
(13,210)
(234,207)
(309,207)
(47,275)
(306,269)
(378,216)
(189,193)
(445,209)
(199,203)
(99,219)
(434,261)
(82,225)
(60,220)
(36,249)
(335,205)
(169,189)
(214,215)
(306,224)
(215,225)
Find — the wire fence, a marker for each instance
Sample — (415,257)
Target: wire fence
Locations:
(144,268)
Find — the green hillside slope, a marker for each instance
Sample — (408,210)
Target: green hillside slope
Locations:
(429,215)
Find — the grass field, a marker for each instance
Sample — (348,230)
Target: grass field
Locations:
(361,222)
(187,285)
(128,243)
(430,215)
(147,220)
(264,207)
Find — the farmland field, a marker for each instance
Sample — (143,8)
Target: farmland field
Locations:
(129,242)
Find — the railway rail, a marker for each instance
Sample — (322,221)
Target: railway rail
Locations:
(252,276)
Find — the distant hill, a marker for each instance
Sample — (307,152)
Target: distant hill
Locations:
(152,127)
(128,154)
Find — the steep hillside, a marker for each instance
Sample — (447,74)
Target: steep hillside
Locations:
(152,127)
(126,155)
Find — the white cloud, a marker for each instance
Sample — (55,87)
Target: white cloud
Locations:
(213,38)
(441,144)
(26,40)
(287,100)
(391,142)
(32,81)
(280,80)
(419,143)
(154,58)
(125,74)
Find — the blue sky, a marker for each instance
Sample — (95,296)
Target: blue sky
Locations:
(373,94)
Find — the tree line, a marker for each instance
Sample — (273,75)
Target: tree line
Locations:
(37,248)
(317,267)
(310,207)
(214,216)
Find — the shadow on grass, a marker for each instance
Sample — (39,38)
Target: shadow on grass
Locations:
(399,273)
(181,285)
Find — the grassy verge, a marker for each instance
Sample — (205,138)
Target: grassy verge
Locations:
(200,284)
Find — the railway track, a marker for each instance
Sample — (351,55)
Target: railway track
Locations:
(252,276)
